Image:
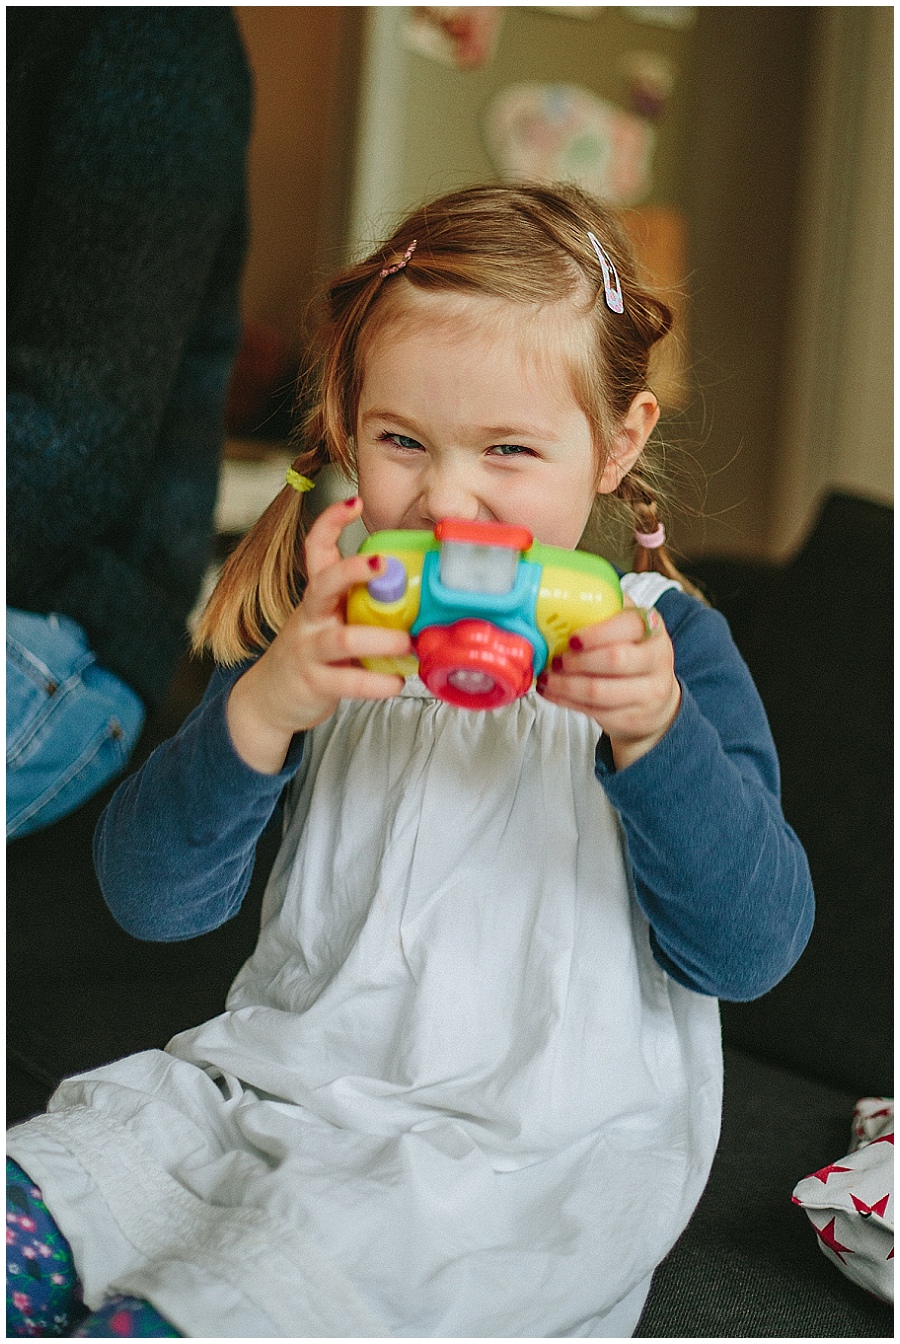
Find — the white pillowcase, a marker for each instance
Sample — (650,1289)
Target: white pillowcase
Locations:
(850,1203)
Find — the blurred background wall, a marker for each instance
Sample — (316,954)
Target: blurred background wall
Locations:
(768,208)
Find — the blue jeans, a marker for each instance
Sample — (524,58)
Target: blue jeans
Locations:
(70,725)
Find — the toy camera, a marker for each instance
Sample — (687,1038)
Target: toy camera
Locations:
(487,606)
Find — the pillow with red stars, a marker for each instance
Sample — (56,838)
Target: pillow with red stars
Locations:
(850,1203)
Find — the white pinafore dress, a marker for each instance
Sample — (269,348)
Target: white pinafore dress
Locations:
(452,1094)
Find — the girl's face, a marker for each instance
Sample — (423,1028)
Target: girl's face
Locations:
(460,416)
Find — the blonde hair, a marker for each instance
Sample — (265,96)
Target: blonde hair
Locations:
(528,244)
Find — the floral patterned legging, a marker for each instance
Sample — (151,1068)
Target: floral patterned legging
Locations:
(43,1292)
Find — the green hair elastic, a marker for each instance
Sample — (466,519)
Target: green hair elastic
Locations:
(299,483)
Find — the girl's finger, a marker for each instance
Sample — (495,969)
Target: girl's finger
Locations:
(358,683)
(330,585)
(623,660)
(592,694)
(632,624)
(321,548)
(345,643)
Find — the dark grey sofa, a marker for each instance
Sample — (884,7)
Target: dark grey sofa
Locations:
(816,634)
(817,637)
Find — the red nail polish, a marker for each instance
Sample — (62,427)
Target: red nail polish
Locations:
(575,644)
(542,683)
(352,501)
(374,562)
(556,664)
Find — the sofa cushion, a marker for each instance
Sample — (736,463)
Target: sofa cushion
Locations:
(749,1264)
(817,637)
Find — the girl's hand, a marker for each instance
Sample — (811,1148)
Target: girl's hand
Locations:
(312,662)
(622,674)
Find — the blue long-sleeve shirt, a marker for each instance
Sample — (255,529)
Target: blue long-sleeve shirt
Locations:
(721,877)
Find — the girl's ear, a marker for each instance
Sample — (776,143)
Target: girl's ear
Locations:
(639,423)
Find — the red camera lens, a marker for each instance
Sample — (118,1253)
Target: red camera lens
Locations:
(474,665)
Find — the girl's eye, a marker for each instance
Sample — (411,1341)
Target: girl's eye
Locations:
(401,440)
(511,450)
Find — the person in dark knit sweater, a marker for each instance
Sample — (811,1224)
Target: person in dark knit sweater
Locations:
(127,138)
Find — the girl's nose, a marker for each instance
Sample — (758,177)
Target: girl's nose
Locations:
(446,493)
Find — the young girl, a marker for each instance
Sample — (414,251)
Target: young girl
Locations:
(469,1083)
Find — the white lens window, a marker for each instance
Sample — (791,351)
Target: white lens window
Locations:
(478,569)
(471,682)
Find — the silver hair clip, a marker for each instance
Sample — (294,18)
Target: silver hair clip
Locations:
(611,287)
(398,266)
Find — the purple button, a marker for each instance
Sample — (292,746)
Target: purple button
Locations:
(391,585)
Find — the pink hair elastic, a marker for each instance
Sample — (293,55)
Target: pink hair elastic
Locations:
(398,265)
(651,540)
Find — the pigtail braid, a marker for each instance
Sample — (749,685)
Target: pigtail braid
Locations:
(639,496)
(262,580)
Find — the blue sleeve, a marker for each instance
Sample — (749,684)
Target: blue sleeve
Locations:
(721,877)
(174,850)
